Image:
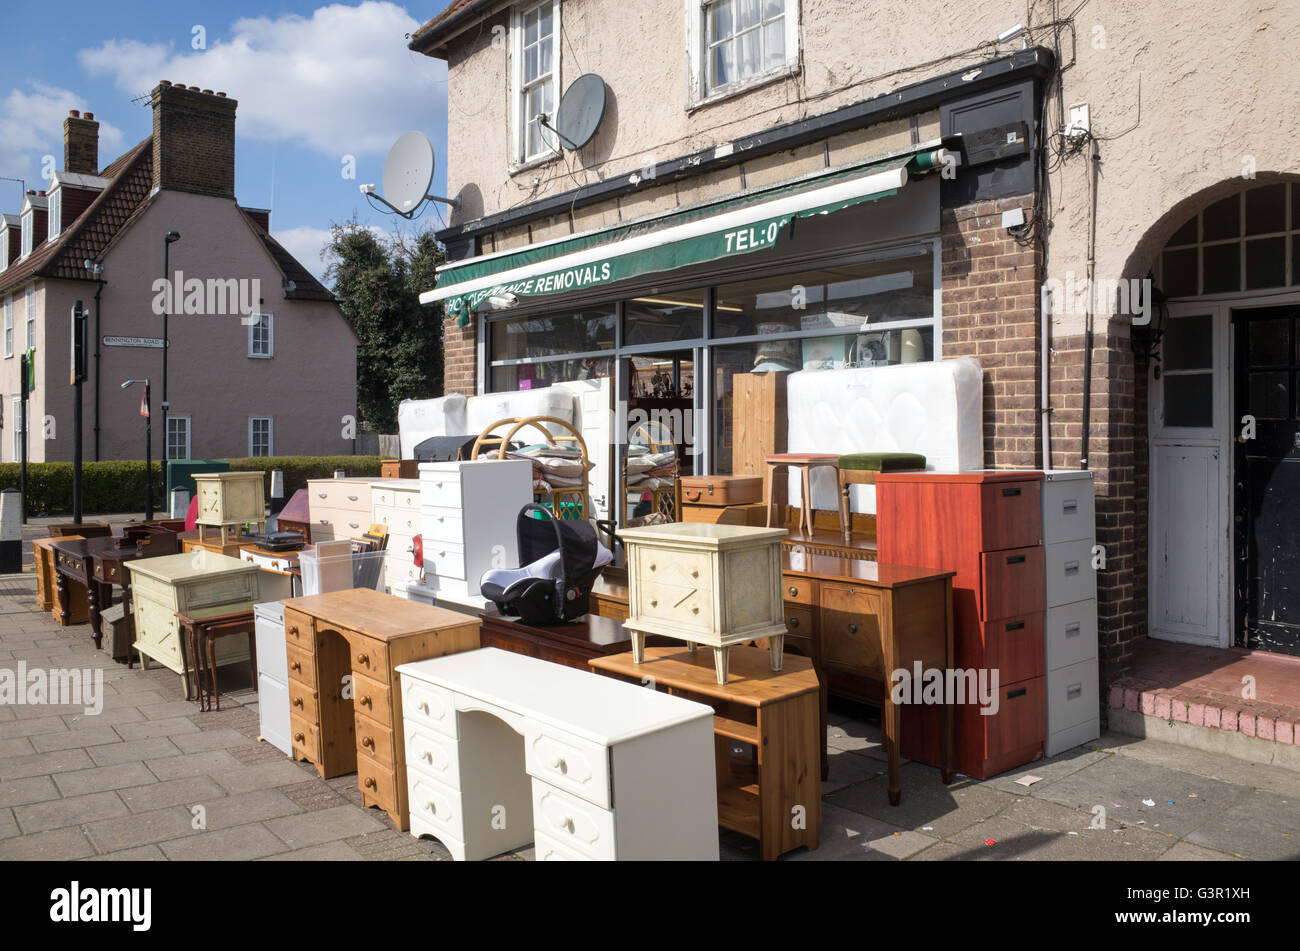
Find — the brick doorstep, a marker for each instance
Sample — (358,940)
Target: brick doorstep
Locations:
(1208,709)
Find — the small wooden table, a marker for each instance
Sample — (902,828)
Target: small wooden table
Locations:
(201,634)
(805,462)
(774,796)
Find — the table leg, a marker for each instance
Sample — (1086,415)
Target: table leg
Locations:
(212,670)
(776,648)
(891,718)
(770,496)
(63,599)
(92,609)
(128,618)
(846,517)
(187,647)
(806,509)
(720,657)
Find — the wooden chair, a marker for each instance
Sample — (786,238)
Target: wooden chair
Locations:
(579,494)
(659,438)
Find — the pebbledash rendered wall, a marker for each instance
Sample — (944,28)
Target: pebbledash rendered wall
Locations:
(1188,103)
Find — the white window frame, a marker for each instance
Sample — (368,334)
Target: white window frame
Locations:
(270,435)
(9,326)
(54,214)
(29,309)
(4,246)
(270,335)
(189,432)
(16,408)
(28,220)
(519,157)
(698,93)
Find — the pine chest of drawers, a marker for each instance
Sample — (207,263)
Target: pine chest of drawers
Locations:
(340,508)
(395,504)
(345,711)
(199,584)
(230,498)
(705,584)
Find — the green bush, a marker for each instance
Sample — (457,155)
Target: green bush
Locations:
(119,486)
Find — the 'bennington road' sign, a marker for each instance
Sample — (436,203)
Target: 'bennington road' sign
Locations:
(150,343)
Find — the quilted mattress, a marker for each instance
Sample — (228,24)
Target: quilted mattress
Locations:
(417,420)
(482,411)
(935,409)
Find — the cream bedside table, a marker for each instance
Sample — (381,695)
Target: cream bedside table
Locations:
(705,584)
(229,498)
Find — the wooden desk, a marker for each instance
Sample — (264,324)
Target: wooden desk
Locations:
(74,566)
(773,711)
(43,559)
(569,644)
(110,570)
(346,644)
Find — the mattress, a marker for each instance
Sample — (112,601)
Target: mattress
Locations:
(418,420)
(935,409)
(482,411)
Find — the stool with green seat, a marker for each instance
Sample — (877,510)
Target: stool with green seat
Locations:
(861,468)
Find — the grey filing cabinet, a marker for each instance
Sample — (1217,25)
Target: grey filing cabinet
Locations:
(272,675)
(1069,533)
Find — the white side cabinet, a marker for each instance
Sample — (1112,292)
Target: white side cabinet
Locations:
(272,675)
(503,750)
(395,503)
(468,514)
(1069,533)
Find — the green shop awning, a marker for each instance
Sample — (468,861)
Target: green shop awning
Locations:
(745,224)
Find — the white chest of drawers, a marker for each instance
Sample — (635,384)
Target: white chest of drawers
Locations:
(340,508)
(1070,631)
(503,750)
(395,504)
(272,676)
(468,513)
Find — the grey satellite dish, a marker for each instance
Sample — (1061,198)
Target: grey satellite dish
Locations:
(408,176)
(581,108)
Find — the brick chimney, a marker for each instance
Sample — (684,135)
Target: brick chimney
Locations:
(81,143)
(193,140)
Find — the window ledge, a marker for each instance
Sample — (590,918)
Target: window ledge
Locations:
(518,168)
(745,85)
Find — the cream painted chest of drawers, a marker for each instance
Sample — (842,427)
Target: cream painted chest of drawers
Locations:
(705,583)
(503,750)
(230,498)
(395,503)
(198,583)
(340,508)
(468,513)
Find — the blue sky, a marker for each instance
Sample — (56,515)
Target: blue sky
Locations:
(316,83)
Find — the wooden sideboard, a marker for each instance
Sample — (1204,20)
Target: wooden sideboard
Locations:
(569,644)
(345,709)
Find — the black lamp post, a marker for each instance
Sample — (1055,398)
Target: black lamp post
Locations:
(148,443)
(170,238)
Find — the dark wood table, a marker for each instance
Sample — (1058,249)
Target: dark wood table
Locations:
(74,564)
(569,644)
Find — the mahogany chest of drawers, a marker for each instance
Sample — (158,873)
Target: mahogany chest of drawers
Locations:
(345,708)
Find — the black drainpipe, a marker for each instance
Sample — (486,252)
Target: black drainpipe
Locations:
(98,288)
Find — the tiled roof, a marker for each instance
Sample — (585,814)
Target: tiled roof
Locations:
(306,287)
(432,32)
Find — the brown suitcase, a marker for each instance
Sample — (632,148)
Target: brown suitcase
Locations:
(754,514)
(721,490)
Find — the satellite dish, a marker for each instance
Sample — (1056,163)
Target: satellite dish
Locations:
(581,108)
(408,171)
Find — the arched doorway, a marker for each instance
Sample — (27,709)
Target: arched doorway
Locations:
(1224,423)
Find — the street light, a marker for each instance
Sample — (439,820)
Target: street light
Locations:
(170,238)
(147,412)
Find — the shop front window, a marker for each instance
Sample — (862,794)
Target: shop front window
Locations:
(663,318)
(520,338)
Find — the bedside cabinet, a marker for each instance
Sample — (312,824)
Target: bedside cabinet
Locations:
(340,508)
(395,504)
(229,498)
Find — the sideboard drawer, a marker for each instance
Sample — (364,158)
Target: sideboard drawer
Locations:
(547,849)
(441,490)
(338,494)
(373,698)
(800,621)
(569,763)
(428,705)
(303,702)
(848,625)
(404,499)
(377,781)
(369,656)
(299,630)
(433,754)
(436,805)
(306,741)
(221,591)
(580,825)
(445,560)
(798,590)
(1011,514)
(398,521)
(302,667)
(375,740)
(1013,582)
(442,525)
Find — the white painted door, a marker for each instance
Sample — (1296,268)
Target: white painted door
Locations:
(1188,544)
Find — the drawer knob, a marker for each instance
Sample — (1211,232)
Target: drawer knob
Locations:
(794,592)
(299,738)
(363,659)
(431,806)
(853,629)
(365,702)
(558,763)
(352,498)
(297,701)
(295,666)
(565,824)
(695,573)
(423,706)
(652,566)
(369,782)
(793,622)
(368,741)
(293,631)
(427,757)
(654,604)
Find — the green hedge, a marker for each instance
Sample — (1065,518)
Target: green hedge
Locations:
(119,486)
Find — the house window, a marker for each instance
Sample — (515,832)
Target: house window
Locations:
(536,74)
(54,217)
(261,336)
(4,245)
(30,302)
(178,437)
(733,43)
(18,427)
(27,235)
(261,431)
(9,326)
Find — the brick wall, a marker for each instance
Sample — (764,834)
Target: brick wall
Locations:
(81,143)
(990,312)
(459,349)
(193,140)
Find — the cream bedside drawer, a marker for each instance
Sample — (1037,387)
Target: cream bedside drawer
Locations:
(399,521)
(444,560)
(569,763)
(444,525)
(338,494)
(427,705)
(403,499)
(572,822)
(433,755)
(436,805)
(546,849)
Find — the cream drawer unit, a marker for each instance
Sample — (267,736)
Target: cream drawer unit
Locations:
(605,769)
(467,523)
(706,584)
(400,494)
(547,849)
(1070,627)
(199,583)
(230,498)
(339,508)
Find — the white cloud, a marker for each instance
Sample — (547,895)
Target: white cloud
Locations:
(341,81)
(31,128)
(307,245)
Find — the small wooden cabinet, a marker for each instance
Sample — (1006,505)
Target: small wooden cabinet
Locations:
(230,498)
(345,712)
(199,584)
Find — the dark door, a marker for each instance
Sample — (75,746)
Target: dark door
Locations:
(1266,472)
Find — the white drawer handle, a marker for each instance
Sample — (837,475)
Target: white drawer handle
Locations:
(431,806)
(565,824)
(1073,630)
(322,495)
(558,763)
(1073,691)
(1071,568)
(428,758)
(695,573)
(425,708)
(352,498)
(353,525)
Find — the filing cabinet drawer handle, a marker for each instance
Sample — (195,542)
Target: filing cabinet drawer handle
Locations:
(1010,493)
(1071,568)
(1074,691)
(793,622)
(1016,559)
(1015,626)
(1073,630)
(1018,692)
(1070,506)
(369,782)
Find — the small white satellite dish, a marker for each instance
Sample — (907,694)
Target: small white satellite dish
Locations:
(408,176)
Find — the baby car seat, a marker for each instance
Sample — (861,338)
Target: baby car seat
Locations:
(561,560)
